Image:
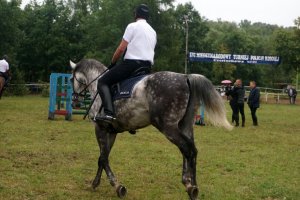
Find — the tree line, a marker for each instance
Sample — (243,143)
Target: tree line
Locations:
(42,37)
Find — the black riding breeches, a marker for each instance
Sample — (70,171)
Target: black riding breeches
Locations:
(122,71)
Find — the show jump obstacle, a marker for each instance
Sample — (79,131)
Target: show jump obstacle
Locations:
(61,101)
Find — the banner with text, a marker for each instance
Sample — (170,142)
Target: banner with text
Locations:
(233,58)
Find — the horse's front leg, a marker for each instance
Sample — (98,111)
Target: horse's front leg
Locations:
(97,178)
(120,189)
(102,143)
(106,141)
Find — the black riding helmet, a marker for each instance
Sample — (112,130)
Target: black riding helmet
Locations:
(142,11)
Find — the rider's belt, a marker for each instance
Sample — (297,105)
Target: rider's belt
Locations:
(143,63)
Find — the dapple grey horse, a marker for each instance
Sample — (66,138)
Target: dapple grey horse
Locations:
(166,100)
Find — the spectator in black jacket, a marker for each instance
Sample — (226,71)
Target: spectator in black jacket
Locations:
(240,93)
(228,91)
(237,95)
(253,101)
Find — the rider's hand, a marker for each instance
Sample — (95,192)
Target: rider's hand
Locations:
(111,65)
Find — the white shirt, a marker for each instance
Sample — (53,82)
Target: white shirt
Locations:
(141,38)
(291,92)
(4,67)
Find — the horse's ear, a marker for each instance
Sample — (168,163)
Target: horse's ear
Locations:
(73,65)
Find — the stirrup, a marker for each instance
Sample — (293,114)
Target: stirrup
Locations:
(105,118)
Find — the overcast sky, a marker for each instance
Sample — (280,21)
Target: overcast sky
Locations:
(280,12)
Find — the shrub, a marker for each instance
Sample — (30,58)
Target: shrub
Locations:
(45,88)
(17,85)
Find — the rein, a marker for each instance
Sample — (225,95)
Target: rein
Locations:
(87,85)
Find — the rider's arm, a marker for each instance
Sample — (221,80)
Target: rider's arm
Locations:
(120,50)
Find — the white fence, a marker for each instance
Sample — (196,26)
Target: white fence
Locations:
(270,95)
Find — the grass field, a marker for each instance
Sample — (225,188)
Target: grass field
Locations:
(41,159)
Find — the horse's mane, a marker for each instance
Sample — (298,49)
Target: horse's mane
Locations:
(86,65)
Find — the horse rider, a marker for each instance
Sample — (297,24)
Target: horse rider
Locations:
(4,68)
(138,43)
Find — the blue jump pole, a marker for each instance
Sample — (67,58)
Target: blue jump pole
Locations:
(202,107)
(60,95)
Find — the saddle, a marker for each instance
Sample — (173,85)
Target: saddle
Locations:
(124,88)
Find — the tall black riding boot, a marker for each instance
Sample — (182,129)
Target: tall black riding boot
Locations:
(105,95)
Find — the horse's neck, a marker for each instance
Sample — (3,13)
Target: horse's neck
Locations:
(91,76)
(93,91)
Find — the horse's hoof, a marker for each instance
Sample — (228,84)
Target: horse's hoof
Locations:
(121,191)
(193,192)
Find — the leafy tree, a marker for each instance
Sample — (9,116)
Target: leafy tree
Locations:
(10,15)
(43,37)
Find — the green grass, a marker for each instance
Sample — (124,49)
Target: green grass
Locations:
(42,159)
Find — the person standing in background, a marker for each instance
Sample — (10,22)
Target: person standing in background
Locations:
(292,95)
(295,94)
(232,100)
(253,101)
(237,95)
(240,92)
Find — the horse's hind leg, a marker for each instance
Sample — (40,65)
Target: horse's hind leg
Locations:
(106,141)
(189,152)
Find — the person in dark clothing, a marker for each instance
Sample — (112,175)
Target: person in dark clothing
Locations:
(292,92)
(137,45)
(228,93)
(237,102)
(295,95)
(240,95)
(253,101)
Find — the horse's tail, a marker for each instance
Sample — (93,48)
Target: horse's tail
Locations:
(203,91)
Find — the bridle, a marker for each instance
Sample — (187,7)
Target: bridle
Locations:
(84,90)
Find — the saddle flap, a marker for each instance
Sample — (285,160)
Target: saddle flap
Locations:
(124,88)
